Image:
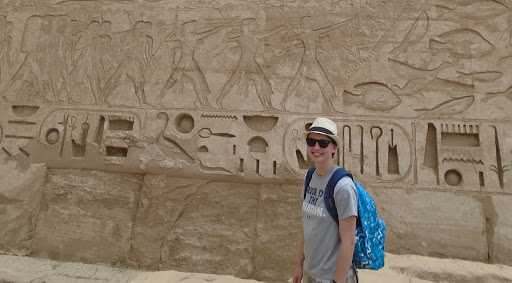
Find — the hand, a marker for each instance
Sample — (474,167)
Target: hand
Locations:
(297,275)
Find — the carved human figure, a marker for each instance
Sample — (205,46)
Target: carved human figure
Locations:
(86,63)
(189,39)
(60,55)
(138,58)
(103,50)
(5,45)
(310,67)
(32,66)
(47,63)
(248,69)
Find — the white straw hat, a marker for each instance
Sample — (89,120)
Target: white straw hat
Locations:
(326,127)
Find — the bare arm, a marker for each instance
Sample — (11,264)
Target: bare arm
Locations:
(347,230)
(299,263)
(292,35)
(333,27)
(272,32)
(210,32)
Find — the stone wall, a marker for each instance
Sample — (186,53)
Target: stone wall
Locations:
(168,134)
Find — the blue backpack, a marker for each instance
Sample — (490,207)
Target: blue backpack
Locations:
(370,230)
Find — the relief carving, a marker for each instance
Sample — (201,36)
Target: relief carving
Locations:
(138,59)
(219,92)
(188,39)
(310,67)
(248,69)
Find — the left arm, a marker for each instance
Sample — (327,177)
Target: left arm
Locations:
(347,230)
(272,32)
(327,30)
(210,32)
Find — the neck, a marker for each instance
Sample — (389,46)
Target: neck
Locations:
(322,169)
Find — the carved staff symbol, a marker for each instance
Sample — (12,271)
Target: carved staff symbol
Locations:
(349,143)
(376,133)
(64,122)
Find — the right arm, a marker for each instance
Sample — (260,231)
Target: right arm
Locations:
(299,263)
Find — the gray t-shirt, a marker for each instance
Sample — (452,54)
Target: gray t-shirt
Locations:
(321,235)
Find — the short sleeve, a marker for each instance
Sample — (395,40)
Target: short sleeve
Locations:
(345,196)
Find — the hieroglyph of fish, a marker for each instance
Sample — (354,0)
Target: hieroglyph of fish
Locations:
(372,96)
(450,107)
(507,93)
(478,10)
(461,43)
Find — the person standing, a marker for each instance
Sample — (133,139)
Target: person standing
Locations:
(326,247)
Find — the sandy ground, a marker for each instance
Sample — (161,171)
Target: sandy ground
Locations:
(404,268)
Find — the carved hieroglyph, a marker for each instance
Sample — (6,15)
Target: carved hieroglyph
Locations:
(421,92)
(421,95)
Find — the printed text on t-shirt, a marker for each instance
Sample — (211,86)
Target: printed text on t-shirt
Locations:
(311,201)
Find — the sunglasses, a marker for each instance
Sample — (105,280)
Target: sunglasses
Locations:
(322,143)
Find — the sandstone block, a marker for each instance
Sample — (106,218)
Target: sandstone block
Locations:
(20,199)
(433,223)
(502,230)
(87,216)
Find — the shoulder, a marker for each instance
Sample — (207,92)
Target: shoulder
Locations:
(346,186)
(345,181)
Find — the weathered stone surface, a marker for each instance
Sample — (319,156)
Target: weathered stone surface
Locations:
(217,232)
(427,223)
(20,197)
(216,227)
(87,216)
(502,224)
(278,229)
(162,203)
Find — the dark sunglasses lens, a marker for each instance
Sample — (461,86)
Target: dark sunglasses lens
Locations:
(322,143)
(311,142)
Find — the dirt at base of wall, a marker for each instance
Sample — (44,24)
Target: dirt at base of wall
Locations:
(398,269)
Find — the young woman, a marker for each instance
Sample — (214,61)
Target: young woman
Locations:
(326,247)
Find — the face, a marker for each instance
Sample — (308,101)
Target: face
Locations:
(319,154)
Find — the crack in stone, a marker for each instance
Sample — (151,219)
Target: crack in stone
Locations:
(491,218)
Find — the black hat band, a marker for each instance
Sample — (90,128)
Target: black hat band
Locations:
(321,130)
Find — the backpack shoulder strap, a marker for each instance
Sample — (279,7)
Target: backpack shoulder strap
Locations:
(329,192)
(309,175)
